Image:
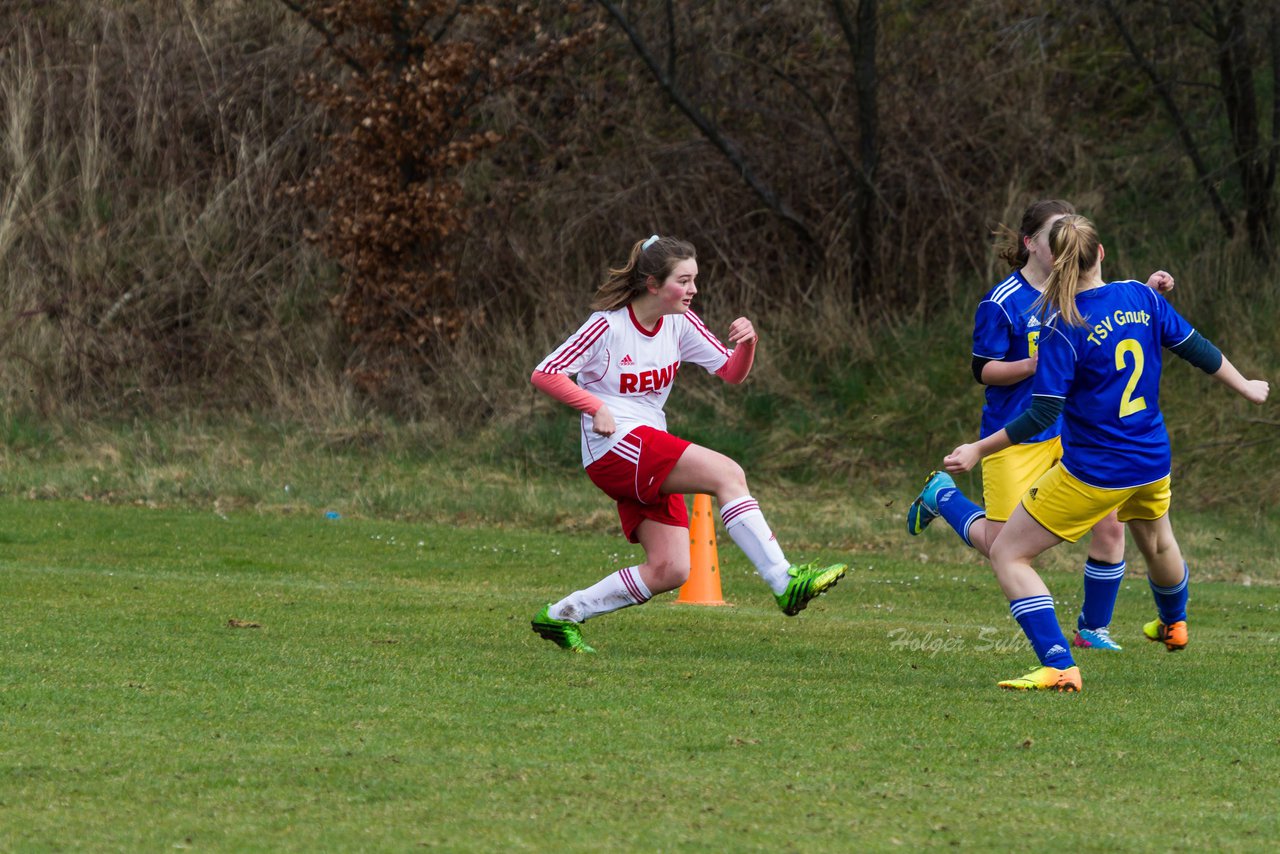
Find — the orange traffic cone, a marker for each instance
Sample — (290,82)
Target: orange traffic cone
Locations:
(703,586)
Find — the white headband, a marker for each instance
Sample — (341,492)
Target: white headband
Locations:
(652,240)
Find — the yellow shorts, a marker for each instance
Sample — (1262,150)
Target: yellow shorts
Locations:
(1069,508)
(1008,474)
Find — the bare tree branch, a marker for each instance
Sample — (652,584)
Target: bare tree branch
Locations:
(712,133)
(822,113)
(317,24)
(866,80)
(446,24)
(864,222)
(1239,95)
(671,40)
(1175,116)
(1273,33)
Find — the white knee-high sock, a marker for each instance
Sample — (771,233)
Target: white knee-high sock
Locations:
(622,589)
(746,525)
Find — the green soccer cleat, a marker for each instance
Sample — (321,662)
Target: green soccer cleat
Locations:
(806,582)
(925,508)
(1174,636)
(565,634)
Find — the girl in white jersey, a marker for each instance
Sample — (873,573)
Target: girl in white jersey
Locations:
(625,357)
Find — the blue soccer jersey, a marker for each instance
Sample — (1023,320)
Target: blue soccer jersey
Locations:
(1108,373)
(1006,329)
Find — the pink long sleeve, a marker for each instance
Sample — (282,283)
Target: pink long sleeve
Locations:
(566,390)
(736,369)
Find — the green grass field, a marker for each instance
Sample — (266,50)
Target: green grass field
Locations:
(175,678)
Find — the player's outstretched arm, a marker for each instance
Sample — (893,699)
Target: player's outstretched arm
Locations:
(997,372)
(743,336)
(1160,282)
(742,332)
(968,455)
(566,391)
(602,422)
(1254,391)
(1043,411)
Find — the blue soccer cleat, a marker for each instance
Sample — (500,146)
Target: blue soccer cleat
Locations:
(1095,639)
(925,508)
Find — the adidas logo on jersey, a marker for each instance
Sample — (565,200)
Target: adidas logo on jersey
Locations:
(627,361)
(1032,493)
(1033,321)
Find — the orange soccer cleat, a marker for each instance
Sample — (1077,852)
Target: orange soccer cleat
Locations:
(1174,635)
(1046,679)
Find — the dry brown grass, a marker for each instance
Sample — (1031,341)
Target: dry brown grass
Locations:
(149,263)
(145,258)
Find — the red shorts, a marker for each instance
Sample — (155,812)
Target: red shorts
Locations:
(632,474)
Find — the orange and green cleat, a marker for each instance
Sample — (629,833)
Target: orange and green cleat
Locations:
(807,582)
(1174,635)
(565,634)
(1046,679)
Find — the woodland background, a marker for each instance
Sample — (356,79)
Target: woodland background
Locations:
(349,212)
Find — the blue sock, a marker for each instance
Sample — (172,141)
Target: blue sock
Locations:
(1101,586)
(1040,624)
(1171,602)
(959,512)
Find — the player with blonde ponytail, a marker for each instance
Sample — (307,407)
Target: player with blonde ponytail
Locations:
(1099,369)
(1080,250)
(1006,333)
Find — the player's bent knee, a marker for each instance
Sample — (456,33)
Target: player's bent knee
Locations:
(1109,533)
(1107,547)
(669,574)
(680,574)
(733,477)
(1006,557)
(997,553)
(1151,540)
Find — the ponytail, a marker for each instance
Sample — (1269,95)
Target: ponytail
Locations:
(654,256)
(1075,245)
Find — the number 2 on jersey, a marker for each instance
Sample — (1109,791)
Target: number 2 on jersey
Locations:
(1128,403)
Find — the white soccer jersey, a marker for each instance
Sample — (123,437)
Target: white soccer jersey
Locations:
(631,369)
